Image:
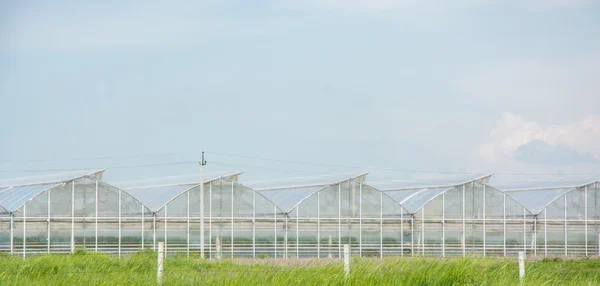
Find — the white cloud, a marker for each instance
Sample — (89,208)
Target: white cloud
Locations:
(512,131)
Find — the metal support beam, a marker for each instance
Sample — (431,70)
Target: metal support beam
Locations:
(318,224)
(504,225)
(154,231)
(524,231)
(209,222)
(202,164)
(120,214)
(96,218)
(49,220)
(444,224)
(412,235)
(24,229)
(534,242)
(545,234)
(566,233)
(339,220)
(423,231)
(483,215)
(297,233)
(285,238)
(12,233)
(143,224)
(585,217)
(275,231)
(381,225)
(402,231)
(232,208)
(187,240)
(253,224)
(464,252)
(360,220)
(166,231)
(72,216)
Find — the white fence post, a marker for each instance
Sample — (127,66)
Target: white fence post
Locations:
(347,259)
(521,266)
(161,260)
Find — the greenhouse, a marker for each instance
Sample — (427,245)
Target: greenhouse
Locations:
(459,216)
(59,212)
(218,216)
(322,214)
(565,218)
(238,221)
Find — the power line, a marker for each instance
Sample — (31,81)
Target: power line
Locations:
(266,168)
(92,158)
(259,167)
(87,168)
(340,166)
(396,169)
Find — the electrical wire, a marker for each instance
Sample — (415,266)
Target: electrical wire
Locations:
(259,167)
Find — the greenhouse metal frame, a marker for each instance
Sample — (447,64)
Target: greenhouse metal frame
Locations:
(58,213)
(297,218)
(566,219)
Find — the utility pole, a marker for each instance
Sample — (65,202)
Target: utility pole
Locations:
(202,164)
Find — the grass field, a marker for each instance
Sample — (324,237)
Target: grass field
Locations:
(140,269)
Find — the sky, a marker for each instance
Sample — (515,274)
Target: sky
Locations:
(296,88)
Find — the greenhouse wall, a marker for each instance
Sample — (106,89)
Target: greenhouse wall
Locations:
(472,219)
(347,213)
(5,226)
(569,225)
(83,213)
(237,220)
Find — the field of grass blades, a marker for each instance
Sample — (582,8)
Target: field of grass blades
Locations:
(84,268)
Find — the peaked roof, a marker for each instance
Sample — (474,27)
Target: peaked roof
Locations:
(291,192)
(414,198)
(50,178)
(155,193)
(304,182)
(519,182)
(16,192)
(427,182)
(536,199)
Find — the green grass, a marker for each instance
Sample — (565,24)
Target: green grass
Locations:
(84,268)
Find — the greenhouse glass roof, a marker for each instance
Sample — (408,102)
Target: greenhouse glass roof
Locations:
(13,198)
(306,181)
(50,178)
(157,192)
(290,192)
(537,196)
(536,200)
(191,179)
(423,182)
(21,190)
(412,197)
(414,200)
(519,182)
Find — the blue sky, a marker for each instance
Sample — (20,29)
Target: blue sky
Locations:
(411,85)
